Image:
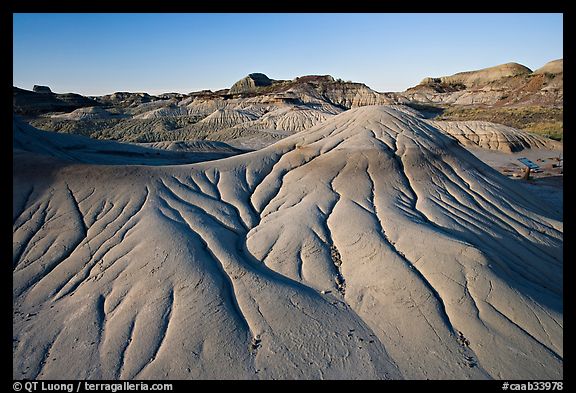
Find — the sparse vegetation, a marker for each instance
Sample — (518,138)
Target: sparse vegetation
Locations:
(540,120)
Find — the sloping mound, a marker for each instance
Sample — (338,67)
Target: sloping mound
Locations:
(205,106)
(185,146)
(493,136)
(166,111)
(293,119)
(89,113)
(485,75)
(370,246)
(552,67)
(290,119)
(225,118)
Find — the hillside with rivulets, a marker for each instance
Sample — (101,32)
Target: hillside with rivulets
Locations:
(371,245)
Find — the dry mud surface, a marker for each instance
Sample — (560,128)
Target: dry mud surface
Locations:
(370,246)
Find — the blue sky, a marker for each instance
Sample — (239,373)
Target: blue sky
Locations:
(97,54)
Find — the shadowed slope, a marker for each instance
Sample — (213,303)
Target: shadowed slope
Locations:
(83,149)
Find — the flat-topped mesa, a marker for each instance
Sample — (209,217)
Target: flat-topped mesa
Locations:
(124,95)
(483,76)
(40,101)
(552,67)
(315,79)
(41,89)
(205,92)
(250,83)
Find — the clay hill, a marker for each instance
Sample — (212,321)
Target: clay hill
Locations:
(371,245)
(509,94)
